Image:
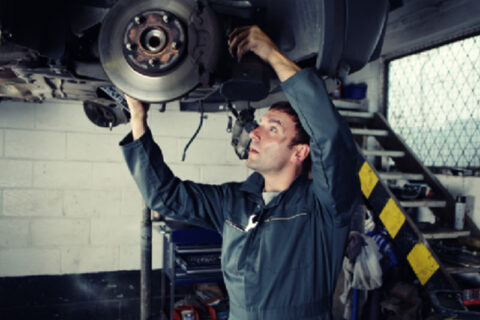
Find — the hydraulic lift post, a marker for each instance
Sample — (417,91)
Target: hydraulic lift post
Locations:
(146,265)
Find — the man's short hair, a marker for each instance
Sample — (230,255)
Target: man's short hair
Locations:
(301,136)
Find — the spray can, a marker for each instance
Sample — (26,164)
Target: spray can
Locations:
(460,204)
(188,315)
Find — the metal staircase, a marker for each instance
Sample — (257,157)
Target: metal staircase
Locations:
(416,246)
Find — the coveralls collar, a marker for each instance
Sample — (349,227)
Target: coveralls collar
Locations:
(255,183)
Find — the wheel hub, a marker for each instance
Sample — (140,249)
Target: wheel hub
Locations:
(152,50)
(154,42)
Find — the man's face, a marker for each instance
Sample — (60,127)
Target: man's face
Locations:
(270,149)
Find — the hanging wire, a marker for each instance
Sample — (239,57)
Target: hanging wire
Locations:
(196,132)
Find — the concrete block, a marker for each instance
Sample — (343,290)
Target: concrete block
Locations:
(93,147)
(186,172)
(16,173)
(221,174)
(132,202)
(467,186)
(184,124)
(34,144)
(89,259)
(63,116)
(215,126)
(57,174)
(32,203)
(2,152)
(60,232)
(129,182)
(110,175)
(173,123)
(88,203)
(157,252)
(130,257)
(454,184)
(123,230)
(202,151)
(29,261)
(17,115)
(13,233)
(77,203)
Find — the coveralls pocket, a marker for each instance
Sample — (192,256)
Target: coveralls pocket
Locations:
(282,276)
(232,245)
(286,242)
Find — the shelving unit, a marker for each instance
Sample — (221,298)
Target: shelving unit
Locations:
(190,256)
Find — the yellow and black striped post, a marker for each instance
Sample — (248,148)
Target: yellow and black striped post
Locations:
(403,231)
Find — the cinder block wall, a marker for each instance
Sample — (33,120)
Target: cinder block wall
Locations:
(67,201)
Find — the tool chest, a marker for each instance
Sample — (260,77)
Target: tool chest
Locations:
(191,255)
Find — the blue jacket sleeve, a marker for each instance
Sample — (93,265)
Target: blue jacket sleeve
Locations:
(194,203)
(332,149)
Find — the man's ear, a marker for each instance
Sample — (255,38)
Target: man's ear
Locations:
(301,152)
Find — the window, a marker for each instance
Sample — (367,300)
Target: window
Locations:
(433,102)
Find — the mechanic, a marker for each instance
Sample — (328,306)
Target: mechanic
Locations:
(284,233)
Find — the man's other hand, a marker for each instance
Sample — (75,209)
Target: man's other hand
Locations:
(137,108)
(138,116)
(252,38)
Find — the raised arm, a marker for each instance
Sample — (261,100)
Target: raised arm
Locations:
(332,148)
(162,191)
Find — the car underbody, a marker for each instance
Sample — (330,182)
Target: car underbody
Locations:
(162,50)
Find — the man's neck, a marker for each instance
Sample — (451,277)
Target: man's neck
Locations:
(280,181)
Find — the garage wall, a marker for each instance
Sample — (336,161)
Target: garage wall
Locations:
(67,201)
(457,185)
(421,24)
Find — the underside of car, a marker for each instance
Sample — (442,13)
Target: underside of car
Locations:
(164,50)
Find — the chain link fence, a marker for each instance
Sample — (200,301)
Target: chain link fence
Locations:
(433,102)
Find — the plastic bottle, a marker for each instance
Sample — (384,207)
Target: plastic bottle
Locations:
(460,203)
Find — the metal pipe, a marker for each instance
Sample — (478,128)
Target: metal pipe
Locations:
(146,265)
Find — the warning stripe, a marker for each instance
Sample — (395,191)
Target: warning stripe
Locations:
(393,218)
(368,179)
(422,262)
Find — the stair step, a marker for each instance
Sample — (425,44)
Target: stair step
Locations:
(423,203)
(350,104)
(400,175)
(356,114)
(462,269)
(369,132)
(450,234)
(384,153)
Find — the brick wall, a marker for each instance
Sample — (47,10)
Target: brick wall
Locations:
(67,201)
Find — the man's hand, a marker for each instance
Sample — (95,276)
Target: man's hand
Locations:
(137,108)
(252,38)
(138,116)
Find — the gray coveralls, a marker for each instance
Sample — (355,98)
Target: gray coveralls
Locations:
(287,266)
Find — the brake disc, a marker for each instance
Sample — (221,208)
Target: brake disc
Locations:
(143,48)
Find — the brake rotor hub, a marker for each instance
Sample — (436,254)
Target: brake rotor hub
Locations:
(154,42)
(152,50)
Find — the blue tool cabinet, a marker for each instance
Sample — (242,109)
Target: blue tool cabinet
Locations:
(190,255)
